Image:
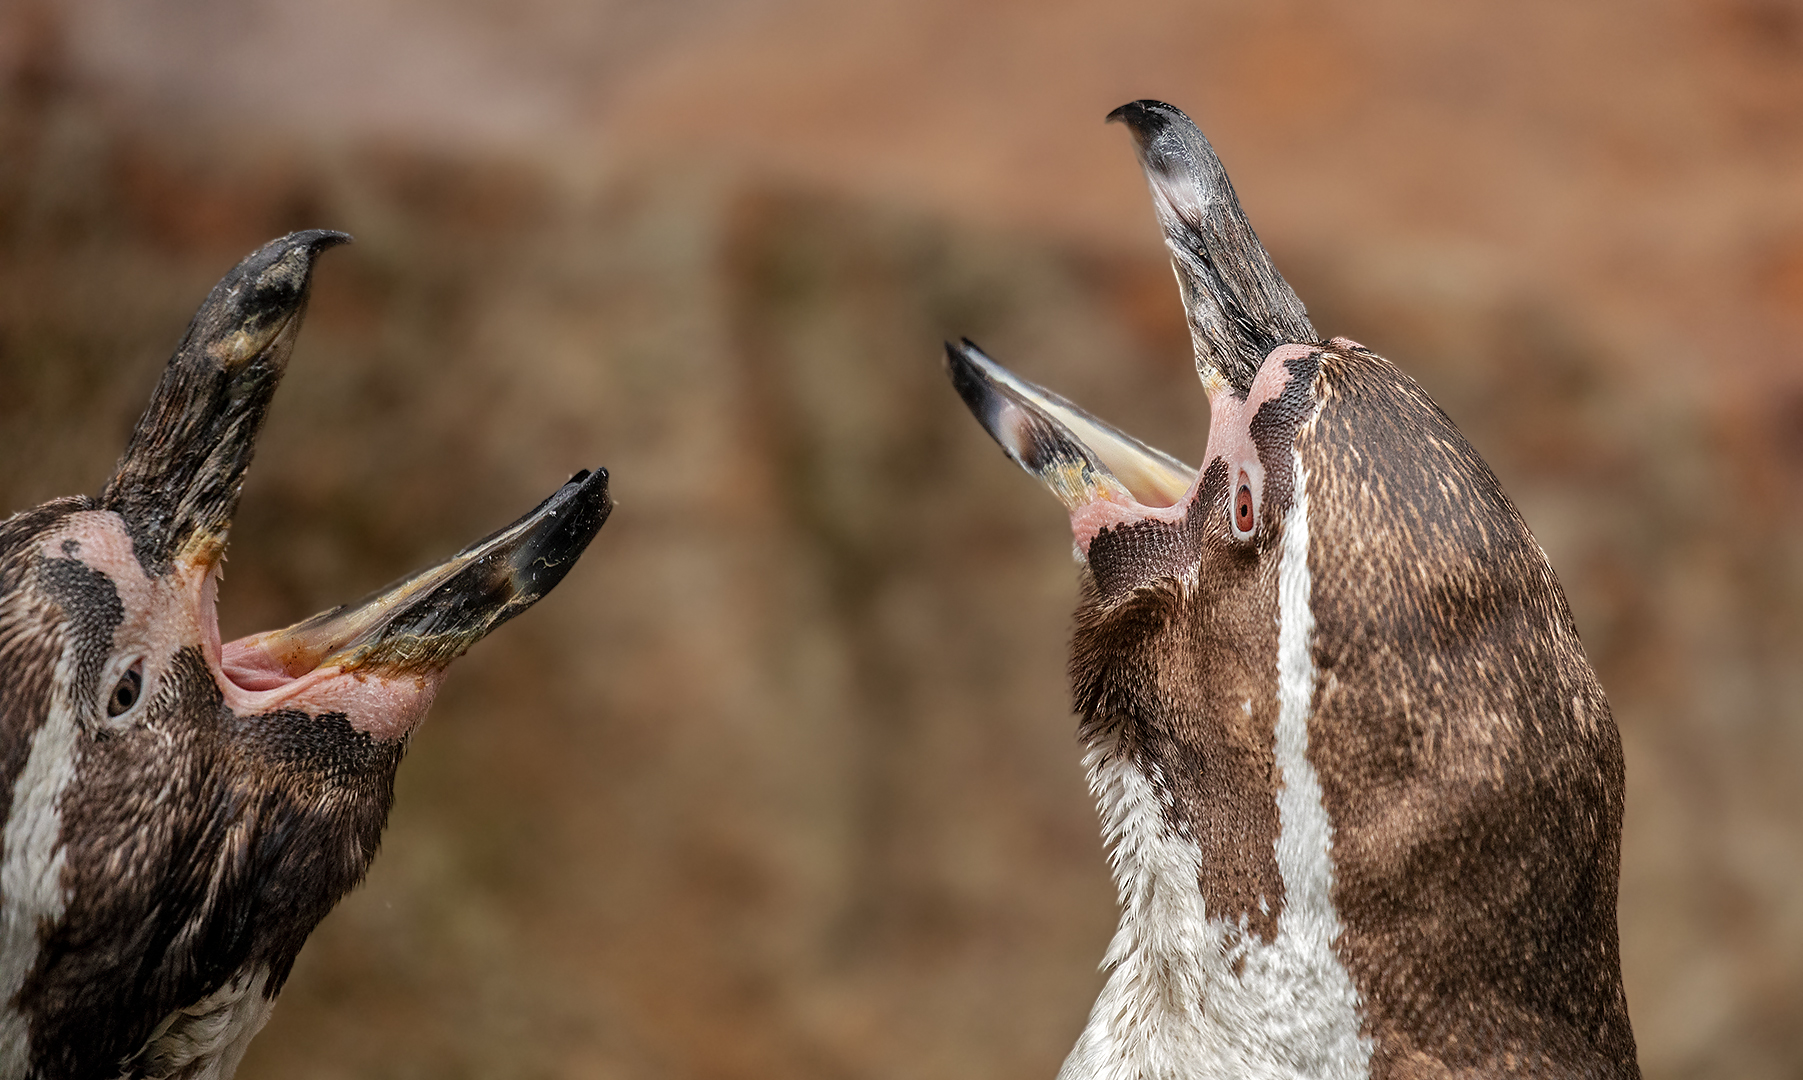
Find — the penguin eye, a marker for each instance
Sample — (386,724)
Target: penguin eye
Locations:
(1242,506)
(126,692)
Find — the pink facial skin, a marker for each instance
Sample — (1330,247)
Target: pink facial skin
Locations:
(1111,509)
(1229,437)
(179,609)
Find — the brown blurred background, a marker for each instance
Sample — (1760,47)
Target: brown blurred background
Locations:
(781,782)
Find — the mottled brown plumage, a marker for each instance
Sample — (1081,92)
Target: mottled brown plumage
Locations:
(1467,753)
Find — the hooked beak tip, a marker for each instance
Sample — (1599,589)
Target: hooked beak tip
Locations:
(177,483)
(1145,117)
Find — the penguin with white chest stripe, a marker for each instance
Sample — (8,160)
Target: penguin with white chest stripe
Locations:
(181,812)
(1362,790)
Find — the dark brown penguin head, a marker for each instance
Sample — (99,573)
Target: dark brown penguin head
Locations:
(1362,788)
(180,813)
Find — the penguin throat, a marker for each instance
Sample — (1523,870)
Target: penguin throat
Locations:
(1108,512)
(1187,982)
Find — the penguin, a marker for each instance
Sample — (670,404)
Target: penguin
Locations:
(181,812)
(1361,790)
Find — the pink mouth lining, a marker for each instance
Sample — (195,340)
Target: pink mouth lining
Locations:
(237,665)
(251,667)
(253,680)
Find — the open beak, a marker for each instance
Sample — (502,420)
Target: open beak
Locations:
(178,483)
(424,621)
(1239,310)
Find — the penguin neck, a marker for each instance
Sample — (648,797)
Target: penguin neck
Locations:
(1195,993)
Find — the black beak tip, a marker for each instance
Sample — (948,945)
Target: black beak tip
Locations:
(565,524)
(315,240)
(1167,141)
(586,504)
(297,250)
(957,364)
(967,380)
(954,355)
(1146,118)
(270,283)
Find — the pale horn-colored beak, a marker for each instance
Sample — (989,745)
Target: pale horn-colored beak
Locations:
(1080,458)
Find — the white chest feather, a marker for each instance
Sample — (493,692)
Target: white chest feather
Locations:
(207,1040)
(1193,996)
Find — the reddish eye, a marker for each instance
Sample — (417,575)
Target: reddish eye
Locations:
(1242,508)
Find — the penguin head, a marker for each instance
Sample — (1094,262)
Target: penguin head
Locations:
(1332,675)
(181,812)
(1174,658)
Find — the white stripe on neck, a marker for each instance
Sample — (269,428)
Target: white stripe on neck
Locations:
(1173,1005)
(32,858)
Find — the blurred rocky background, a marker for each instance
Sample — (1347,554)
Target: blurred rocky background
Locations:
(781,781)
